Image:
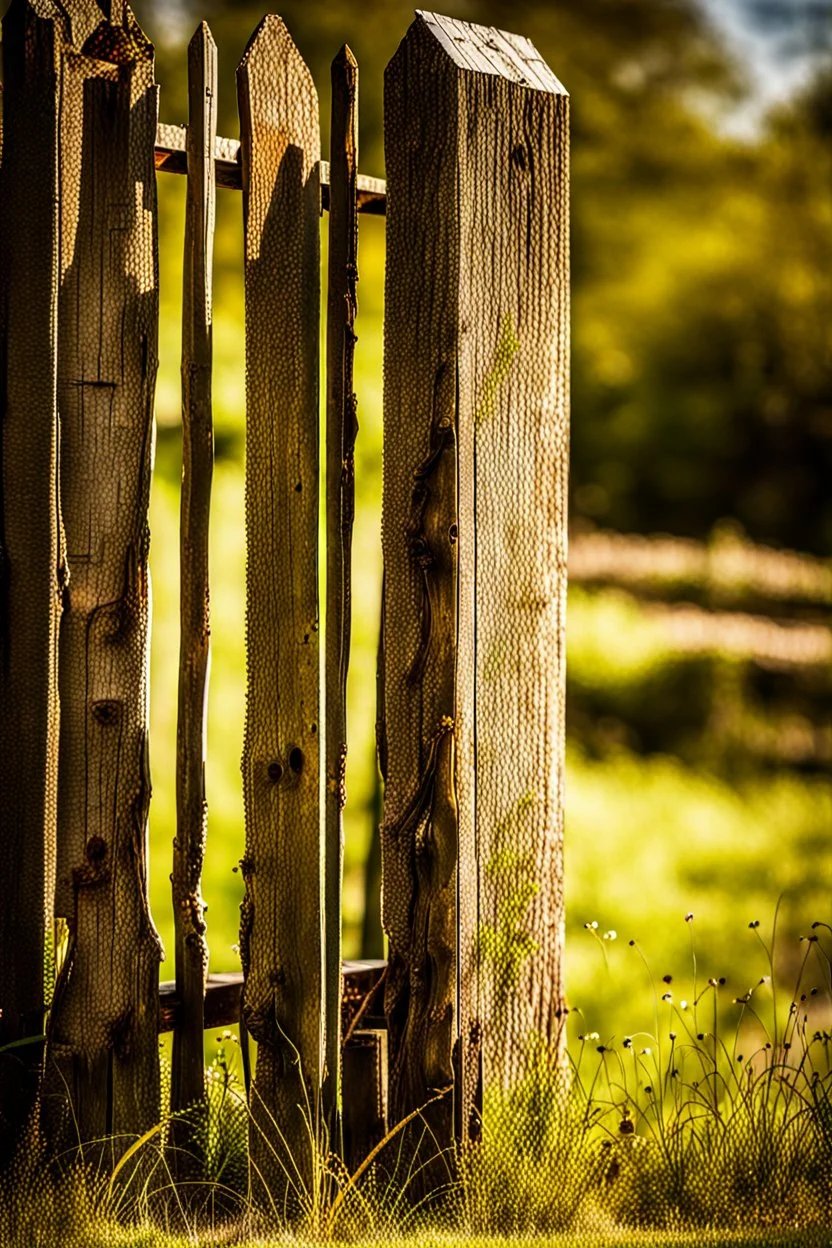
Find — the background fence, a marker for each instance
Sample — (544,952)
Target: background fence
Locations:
(472,693)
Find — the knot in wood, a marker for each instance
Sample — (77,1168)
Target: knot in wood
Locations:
(106,712)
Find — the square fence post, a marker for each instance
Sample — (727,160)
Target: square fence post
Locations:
(474,541)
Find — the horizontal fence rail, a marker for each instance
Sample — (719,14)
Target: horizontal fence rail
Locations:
(171,157)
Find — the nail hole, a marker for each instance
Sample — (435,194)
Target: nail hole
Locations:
(275,772)
(296,760)
(298,487)
(314,728)
(453,533)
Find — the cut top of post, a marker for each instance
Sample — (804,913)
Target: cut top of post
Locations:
(487,50)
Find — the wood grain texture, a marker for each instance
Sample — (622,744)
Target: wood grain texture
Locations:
(281,938)
(103,1027)
(474,540)
(32,566)
(419,522)
(341,430)
(191,948)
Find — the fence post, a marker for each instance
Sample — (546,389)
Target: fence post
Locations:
(474,540)
(188,1071)
(32,567)
(103,1029)
(281,934)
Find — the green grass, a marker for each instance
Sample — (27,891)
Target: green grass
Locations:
(681,1133)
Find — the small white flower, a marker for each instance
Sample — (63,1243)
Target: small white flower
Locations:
(683,1005)
(611,935)
(646,1052)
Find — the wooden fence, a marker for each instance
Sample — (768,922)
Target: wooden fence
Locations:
(474,507)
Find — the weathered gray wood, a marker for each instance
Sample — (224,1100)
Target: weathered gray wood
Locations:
(474,539)
(103,1031)
(191,948)
(282,915)
(341,430)
(32,565)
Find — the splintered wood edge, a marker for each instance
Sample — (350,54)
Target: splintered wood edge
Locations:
(171,157)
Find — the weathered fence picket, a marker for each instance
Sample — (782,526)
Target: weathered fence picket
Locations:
(473,530)
(281,936)
(471,681)
(104,1021)
(341,429)
(191,948)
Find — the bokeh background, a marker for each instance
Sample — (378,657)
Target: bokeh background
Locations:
(700,655)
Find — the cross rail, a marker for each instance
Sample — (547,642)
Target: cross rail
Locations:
(172,157)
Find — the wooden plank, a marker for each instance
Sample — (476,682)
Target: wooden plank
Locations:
(365,1094)
(360,984)
(282,915)
(171,158)
(103,1043)
(172,155)
(474,539)
(32,567)
(191,949)
(220,1008)
(341,430)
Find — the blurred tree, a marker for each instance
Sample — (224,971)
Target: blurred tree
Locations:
(706,360)
(606,52)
